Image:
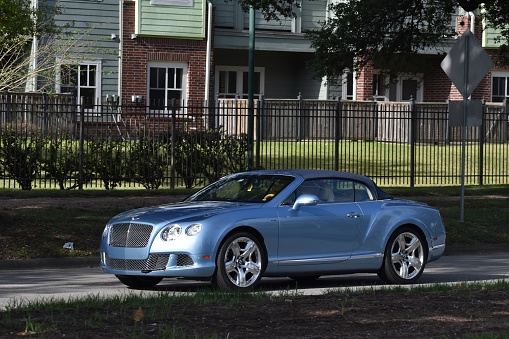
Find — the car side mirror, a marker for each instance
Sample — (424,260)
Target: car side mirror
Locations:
(305,200)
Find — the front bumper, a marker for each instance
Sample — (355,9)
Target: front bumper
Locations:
(161,264)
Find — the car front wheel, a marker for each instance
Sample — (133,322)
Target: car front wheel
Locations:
(404,257)
(240,262)
(138,282)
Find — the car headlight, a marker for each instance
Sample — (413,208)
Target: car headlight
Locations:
(171,232)
(193,229)
(106,231)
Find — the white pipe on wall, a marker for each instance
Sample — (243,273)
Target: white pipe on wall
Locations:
(209,48)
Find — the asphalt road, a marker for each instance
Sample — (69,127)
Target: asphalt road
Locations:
(72,282)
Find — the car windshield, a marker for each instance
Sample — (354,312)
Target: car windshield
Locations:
(244,188)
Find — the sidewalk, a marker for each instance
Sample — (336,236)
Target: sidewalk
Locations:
(63,263)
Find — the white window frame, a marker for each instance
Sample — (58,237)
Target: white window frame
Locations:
(167,65)
(499,74)
(399,86)
(98,64)
(240,73)
(344,86)
(394,87)
(182,3)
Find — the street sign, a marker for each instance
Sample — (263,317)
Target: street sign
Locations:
(466,64)
(457,111)
(478,63)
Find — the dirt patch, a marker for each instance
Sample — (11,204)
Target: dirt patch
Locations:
(95,203)
(377,314)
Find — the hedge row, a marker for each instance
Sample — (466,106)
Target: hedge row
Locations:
(148,160)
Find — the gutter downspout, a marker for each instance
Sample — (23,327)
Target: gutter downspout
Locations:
(121,42)
(31,82)
(209,48)
(472,22)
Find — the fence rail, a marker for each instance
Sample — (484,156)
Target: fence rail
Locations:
(52,142)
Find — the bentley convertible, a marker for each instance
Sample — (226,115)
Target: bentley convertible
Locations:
(296,223)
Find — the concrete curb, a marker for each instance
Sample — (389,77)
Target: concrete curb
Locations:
(47,263)
(84,262)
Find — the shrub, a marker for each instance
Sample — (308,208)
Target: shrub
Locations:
(106,158)
(149,159)
(60,161)
(20,154)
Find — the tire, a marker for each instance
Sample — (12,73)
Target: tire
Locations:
(404,257)
(240,262)
(139,282)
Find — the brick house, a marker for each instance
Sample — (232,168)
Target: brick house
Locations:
(194,50)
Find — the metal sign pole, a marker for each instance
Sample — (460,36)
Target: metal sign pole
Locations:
(464,133)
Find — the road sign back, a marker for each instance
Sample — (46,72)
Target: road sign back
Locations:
(479,63)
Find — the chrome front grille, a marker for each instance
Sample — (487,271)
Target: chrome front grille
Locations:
(155,262)
(130,235)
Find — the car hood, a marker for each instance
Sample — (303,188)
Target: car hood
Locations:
(195,210)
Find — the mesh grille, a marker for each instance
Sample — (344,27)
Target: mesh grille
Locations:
(155,262)
(184,260)
(130,235)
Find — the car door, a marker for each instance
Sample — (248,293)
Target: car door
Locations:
(325,233)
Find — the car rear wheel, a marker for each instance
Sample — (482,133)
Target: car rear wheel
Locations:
(138,282)
(240,262)
(404,258)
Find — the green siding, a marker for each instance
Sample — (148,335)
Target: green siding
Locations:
(488,38)
(102,19)
(313,12)
(171,21)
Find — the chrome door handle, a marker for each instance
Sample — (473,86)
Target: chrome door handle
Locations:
(353,215)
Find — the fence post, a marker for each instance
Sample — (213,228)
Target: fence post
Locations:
(337,132)
(259,111)
(412,141)
(81,143)
(172,147)
(482,140)
(299,117)
(506,117)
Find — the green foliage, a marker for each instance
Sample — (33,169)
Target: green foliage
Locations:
(19,18)
(211,154)
(20,154)
(25,155)
(60,161)
(149,159)
(392,36)
(106,159)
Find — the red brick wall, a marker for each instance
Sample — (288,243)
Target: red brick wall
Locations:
(365,83)
(136,53)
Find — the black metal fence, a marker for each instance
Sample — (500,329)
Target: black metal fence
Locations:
(51,142)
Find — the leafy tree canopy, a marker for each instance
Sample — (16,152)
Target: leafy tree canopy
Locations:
(393,32)
(270,9)
(18,18)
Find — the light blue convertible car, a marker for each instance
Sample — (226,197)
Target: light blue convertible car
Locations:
(297,223)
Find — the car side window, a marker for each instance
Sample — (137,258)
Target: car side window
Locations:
(332,191)
(362,193)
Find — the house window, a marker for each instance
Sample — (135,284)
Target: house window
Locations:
(400,88)
(231,82)
(348,84)
(82,82)
(167,84)
(499,86)
(380,87)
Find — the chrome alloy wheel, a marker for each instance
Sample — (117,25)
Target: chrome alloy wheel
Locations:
(407,255)
(243,262)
